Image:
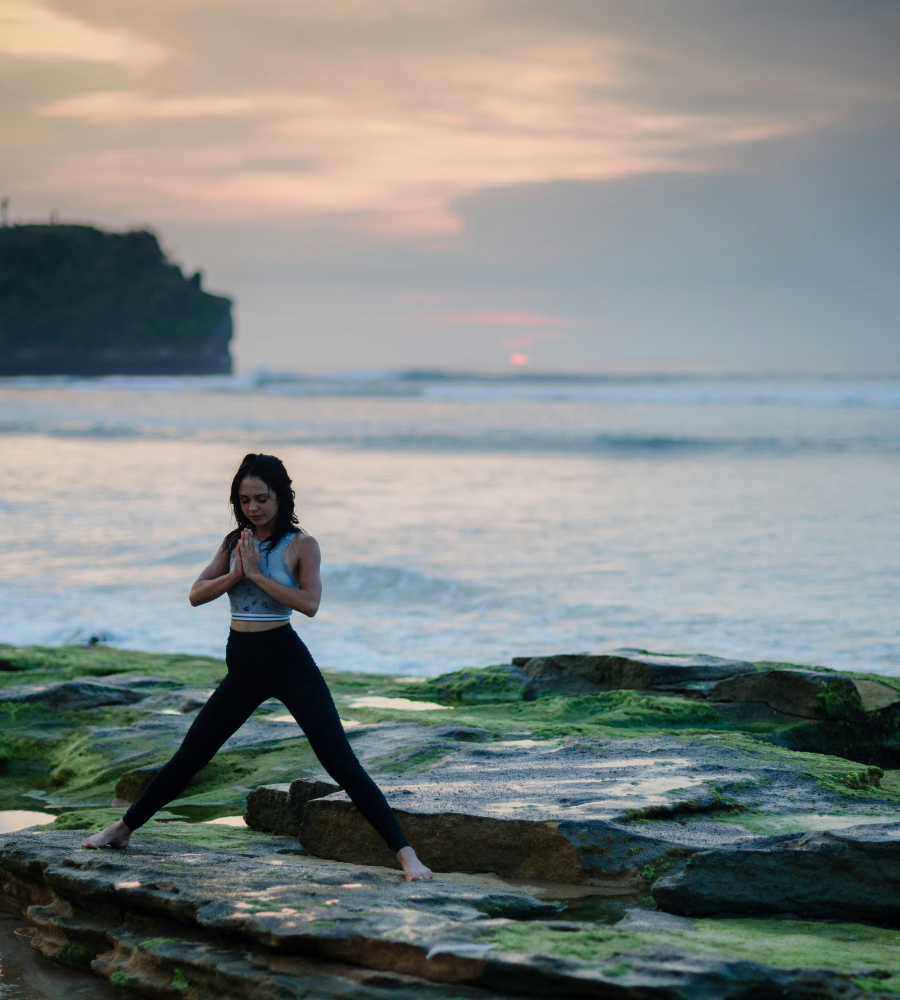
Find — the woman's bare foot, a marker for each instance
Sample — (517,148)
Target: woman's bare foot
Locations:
(116,835)
(413,869)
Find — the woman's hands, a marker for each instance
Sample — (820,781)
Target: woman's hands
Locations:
(238,571)
(247,557)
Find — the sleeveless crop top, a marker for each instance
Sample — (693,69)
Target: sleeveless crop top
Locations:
(250,603)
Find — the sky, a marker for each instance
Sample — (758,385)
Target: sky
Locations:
(496,185)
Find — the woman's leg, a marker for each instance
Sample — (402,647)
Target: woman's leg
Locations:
(229,707)
(306,696)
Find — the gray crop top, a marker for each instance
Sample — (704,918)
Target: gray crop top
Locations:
(250,603)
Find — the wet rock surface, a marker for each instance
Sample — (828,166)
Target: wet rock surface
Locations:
(875,695)
(279,808)
(162,918)
(535,791)
(586,673)
(852,873)
(72,694)
(794,692)
(634,669)
(584,810)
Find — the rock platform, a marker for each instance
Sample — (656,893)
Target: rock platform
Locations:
(628,824)
(602,812)
(163,919)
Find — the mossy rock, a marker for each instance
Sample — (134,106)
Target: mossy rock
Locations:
(476,685)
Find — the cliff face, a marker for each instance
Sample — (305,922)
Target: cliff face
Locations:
(75,300)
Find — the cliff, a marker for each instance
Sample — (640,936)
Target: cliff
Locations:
(75,300)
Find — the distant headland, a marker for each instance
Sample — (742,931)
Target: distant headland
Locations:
(75,300)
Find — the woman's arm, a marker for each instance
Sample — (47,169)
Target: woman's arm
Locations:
(306,595)
(216,580)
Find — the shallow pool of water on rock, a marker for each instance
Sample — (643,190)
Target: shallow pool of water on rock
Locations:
(602,904)
(18,819)
(605,909)
(27,975)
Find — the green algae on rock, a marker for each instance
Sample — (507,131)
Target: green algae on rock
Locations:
(532,677)
(848,714)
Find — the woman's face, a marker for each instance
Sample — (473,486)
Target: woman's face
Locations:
(258,502)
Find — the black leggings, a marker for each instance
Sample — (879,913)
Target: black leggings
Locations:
(263,665)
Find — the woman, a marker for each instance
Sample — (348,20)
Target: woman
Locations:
(268,567)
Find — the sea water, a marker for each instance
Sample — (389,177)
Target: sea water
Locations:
(466,520)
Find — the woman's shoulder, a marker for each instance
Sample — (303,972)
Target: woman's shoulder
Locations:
(302,540)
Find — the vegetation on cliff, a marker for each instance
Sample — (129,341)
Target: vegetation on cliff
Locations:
(75,300)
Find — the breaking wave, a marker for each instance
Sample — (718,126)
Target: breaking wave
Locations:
(867,392)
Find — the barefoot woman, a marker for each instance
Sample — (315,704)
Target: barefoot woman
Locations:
(269,568)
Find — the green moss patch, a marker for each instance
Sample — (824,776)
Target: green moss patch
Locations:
(880,983)
(414,759)
(17,777)
(120,981)
(167,827)
(787,944)
(845,777)
(79,955)
(609,714)
(475,685)
(794,944)
(46,664)
(213,836)
(91,820)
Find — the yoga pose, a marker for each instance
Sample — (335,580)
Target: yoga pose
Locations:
(269,567)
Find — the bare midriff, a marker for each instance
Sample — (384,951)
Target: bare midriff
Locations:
(239,625)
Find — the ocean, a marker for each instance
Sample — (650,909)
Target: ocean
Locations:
(464,520)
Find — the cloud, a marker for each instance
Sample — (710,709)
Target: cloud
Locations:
(31,30)
(123,106)
(383,164)
(380,115)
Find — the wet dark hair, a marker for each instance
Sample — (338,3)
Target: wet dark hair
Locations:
(272,472)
